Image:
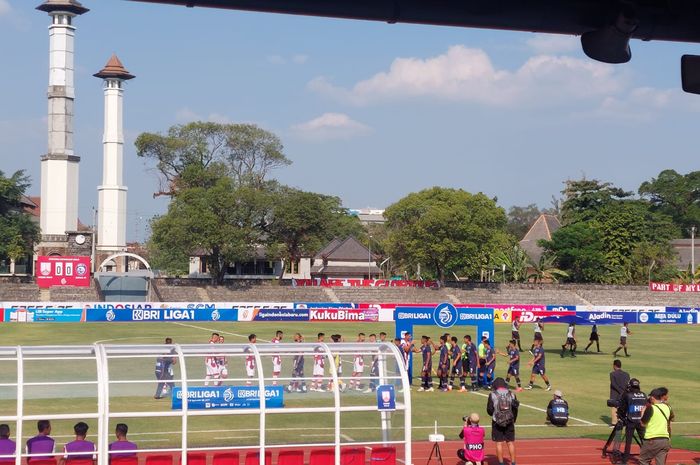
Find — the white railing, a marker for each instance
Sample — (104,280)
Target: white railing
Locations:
(47,368)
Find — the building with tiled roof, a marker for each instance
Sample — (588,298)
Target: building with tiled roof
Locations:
(346,259)
(541,229)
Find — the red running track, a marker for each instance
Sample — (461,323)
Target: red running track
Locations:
(547,451)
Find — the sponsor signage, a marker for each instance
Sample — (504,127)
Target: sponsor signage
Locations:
(561,308)
(667,317)
(362,283)
(324,305)
(525,316)
(343,314)
(616,317)
(279,314)
(62,271)
(44,315)
(502,316)
(224,397)
(386,398)
(162,314)
(673,287)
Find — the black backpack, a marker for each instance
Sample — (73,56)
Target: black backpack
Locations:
(503,407)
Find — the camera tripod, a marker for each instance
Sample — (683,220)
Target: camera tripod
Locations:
(617,437)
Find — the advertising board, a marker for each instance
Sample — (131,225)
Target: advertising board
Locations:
(162,314)
(62,271)
(343,314)
(225,397)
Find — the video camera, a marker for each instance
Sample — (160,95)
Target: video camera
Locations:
(613,403)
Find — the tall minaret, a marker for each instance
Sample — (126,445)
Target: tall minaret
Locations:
(111,229)
(59,167)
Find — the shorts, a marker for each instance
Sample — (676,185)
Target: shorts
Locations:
(298,372)
(223,371)
(502,433)
(515,335)
(623,340)
(473,367)
(538,336)
(427,369)
(319,370)
(538,370)
(276,367)
(358,366)
(593,337)
(457,369)
(212,370)
(443,370)
(250,370)
(570,340)
(513,370)
(489,371)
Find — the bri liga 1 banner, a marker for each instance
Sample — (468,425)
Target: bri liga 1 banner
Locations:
(221,397)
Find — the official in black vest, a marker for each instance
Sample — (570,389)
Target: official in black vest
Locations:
(558,410)
(164,372)
(630,412)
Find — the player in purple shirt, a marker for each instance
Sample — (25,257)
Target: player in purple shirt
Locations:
(490,367)
(427,350)
(7,445)
(42,443)
(122,444)
(538,365)
(80,449)
(473,358)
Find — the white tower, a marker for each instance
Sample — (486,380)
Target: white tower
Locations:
(111,229)
(59,167)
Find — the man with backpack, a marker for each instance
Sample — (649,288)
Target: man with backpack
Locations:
(502,405)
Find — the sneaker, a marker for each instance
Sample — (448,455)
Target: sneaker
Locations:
(528,387)
(573,355)
(519,389)
(449,388)
(367,391)
(549,388)
(530,352)
(561,355)
(421,389)
(444,389)
(430,389)
(463,389)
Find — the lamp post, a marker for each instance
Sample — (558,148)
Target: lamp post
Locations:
(653,263)
(369,258)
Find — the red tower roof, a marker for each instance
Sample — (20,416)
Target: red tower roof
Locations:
(114,69)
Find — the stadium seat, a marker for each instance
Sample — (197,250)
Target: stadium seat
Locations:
(253,458)
(79,462)
(159,460)
(51,461)
(133,460)
(290,457)
(322,457)
(382,456)
(196,458)
(352,456)
(225,458)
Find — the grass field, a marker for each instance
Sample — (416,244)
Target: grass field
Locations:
(660,356)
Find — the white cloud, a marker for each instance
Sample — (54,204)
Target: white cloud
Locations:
(276,59)
(186,115)
(468,75)
(5,7)
(297,59)
(300,59)
(330,126)
(643,104)
(550,44)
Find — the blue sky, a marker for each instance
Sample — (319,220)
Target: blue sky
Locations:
(367,111)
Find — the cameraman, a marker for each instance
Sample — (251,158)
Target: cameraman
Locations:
(657,420)
(630,413)
(473,435)
(618,386)
(558,410)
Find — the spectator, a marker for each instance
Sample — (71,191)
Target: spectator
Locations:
(558,410)
(122,443)
(42,445)
(618,386)
(656,420)
(80,448)
(502,405)
(8,447)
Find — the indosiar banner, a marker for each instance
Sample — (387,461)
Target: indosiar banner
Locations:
(220,397)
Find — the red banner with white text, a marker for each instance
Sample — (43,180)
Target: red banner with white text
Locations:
(673,287)
(62,271)
(333,282)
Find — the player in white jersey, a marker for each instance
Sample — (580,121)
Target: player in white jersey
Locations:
(570,340)
(210,363)
(319,366)
(358,366)
(624,332)
(250,361)
(276,359)
(222,361)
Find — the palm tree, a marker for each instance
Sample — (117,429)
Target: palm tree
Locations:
(546,270)
(516,263)
(688,277)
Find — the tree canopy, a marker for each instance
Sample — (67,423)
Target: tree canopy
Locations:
(676,195)
(445,231)
(18,232)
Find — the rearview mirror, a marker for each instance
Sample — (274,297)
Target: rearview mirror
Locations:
(690,73)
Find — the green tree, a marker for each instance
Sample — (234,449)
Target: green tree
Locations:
(244,152)
(516,263)
(579,251)
(303,222)
(583,199)
(445,231)
(546,270)
(18,232)
(520,219)
(221,222)
(677,195)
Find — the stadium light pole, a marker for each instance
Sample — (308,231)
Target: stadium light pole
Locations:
(692,254)
(369,258)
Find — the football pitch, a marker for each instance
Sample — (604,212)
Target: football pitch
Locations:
(661,355)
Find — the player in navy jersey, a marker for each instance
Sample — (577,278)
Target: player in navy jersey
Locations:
(490,365)
(457,372)
(427,349)
(473,358)
(538,367)
(443,370)
(513,355)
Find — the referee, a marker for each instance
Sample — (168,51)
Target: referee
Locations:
(657,420)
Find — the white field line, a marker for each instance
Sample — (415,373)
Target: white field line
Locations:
(541,410)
